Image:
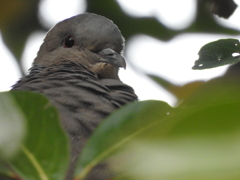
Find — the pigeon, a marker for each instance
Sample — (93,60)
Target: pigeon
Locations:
(76,68)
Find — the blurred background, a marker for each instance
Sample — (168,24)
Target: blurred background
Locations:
(162,39)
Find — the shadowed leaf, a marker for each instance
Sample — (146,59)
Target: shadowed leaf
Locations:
(43,154)
(18,20)
(223,8)
(218,53)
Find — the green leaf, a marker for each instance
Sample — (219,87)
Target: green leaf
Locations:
(197,140)
(120,128)
(218,53)
(43,154)
(4,171)
(201,140)
(12,128)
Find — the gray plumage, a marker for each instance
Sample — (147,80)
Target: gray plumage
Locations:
(77,69)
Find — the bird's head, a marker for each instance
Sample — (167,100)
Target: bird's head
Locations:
(87,39)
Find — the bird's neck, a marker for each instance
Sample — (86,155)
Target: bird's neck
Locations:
(106,71)
(98,71)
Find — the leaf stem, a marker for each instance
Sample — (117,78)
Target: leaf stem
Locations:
(42,174)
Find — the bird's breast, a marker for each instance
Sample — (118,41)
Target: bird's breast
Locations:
(82,100)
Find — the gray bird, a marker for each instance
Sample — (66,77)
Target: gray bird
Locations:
(77,69)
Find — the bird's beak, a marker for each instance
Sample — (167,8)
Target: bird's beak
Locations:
(112,57)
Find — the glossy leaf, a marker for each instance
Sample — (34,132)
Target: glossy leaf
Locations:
(43,154)
(199,139)
(120,128)
(218,53)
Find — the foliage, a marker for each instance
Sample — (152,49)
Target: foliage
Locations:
(39,147)
(20,19)
(218,53)
(197,139)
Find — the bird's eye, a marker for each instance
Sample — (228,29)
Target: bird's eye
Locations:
(68,41)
